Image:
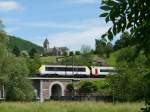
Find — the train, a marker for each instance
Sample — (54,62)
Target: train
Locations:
(75,71)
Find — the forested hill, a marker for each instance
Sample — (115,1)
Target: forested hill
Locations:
(23,44)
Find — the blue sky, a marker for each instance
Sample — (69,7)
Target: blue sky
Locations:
(70,23)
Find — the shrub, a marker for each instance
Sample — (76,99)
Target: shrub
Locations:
(87,87)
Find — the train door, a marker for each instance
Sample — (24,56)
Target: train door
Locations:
(96,72)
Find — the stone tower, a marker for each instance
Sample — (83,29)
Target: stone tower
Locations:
(46,46)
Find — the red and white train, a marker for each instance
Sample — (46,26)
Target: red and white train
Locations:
(75,71)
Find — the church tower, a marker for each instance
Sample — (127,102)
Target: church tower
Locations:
(46,46)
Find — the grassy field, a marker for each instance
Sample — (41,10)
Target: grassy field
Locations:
(70,107)
(48,59)
(111,61)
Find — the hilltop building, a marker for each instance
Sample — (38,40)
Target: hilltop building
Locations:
(55,51)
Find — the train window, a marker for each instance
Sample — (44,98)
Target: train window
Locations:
(76,69)
(65,69)
(69,69)
(60,69)
(50,69)
(81,69)
(106,70)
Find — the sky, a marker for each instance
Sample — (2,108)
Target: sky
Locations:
(70,23)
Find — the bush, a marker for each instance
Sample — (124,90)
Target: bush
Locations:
(24,54)
(18,88)
(71,53)
(70,87)
(77,53)
(147,107)
(87,87)
(128,83)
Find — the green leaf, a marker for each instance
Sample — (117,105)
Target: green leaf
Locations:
(104,35)
(111,3)
(114,29)
(106,8)
(110,34)
(104,15)
(107,19)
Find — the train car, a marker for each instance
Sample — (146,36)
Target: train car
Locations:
(101,71)
(95,71)
(63,70)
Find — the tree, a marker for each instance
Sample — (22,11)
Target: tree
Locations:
(77,53)
(70,88)
(33,64)
(32,53)
(129,84)
(16,51)
(13,73)
(86,55)
(4,54)
(109,49)
(85,49)
(65,54)
(123,42)
(18,87)
(131,15)
(100,45)
(127,54)
(1,27)
(24,54)
(103,47)
(71,53)
(147,107)
(87,87)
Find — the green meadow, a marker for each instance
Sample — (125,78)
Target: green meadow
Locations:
(70,107)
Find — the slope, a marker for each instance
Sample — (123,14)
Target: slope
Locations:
(23,44)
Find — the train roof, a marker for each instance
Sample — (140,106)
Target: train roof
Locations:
(75,66)
(103,67)
(62,66)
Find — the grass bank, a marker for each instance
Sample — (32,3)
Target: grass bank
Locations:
(70,107)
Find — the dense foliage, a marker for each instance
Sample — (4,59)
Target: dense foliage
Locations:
(33,64)
(131,15)
(103,47)
(18,87)
(128,84)
(16,51)
(23,45)
(70,88)
(123,42)
(87,87)
(13,73)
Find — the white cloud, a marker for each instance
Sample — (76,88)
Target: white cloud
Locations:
(10,5)
(49,25)
(73,36)
(74,40)
(82,1)
(55,25)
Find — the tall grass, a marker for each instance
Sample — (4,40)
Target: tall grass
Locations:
(70,107)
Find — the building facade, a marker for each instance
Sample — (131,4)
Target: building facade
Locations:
(55,51)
